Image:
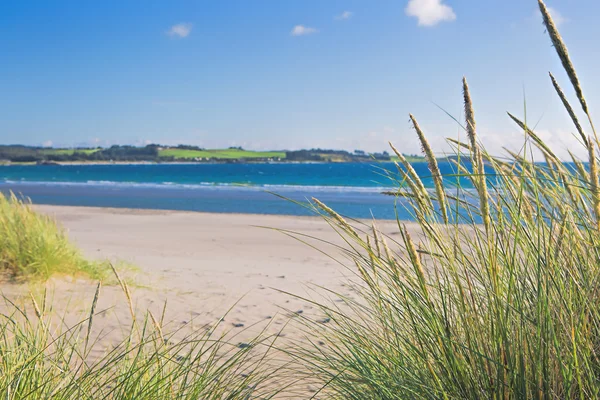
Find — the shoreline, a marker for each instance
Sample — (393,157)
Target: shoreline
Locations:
(80,163)
(163,211)
(45,208)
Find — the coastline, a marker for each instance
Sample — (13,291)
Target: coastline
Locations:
(236,161)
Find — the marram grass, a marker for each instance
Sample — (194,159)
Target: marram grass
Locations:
(33,246)
(498,300)
(41,357)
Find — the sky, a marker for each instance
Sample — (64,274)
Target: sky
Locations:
(274,74)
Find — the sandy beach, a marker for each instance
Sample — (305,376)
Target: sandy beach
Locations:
(202,265)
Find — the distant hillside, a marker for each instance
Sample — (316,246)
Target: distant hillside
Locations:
(182,153)
(192,153)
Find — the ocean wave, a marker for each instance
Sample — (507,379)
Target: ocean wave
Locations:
(204,185)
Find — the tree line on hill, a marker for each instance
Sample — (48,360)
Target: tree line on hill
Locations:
(151,153)
(18,153)
(334,155)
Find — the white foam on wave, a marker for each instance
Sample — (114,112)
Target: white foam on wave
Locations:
(206,185)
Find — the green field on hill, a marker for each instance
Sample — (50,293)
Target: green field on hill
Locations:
(182,153)
(412,158)
(219,153)
(68,152)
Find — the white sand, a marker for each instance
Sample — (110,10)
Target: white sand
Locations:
(200,264)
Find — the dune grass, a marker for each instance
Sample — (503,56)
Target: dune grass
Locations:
(42,357)
(498,296)
(33,246)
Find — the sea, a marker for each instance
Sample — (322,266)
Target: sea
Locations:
(352,189)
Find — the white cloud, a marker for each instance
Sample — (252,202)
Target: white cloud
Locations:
(429,12)
(181,30)
(301,30)
(556,16)
(344,15)
(47,143)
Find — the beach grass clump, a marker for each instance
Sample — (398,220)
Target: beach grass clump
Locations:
(44,357)
(33,246)
(493,293)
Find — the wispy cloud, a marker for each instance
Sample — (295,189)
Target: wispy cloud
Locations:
(429,12)
(536,17)
(556,16)
(301,30)
(344,15)
(181,30)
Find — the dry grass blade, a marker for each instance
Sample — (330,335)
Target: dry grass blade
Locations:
(594,182)
(460,144)
(480,178)
(398,193)
(425,205)
(434,168)
(158,328)
(584,175)
(36,308)
(563,55)
(415,261)
(536,139)
(91,317)
(410,170)
(125,289)
(376,239)
(569,109)
(388,252)
(469,115)
(335,216)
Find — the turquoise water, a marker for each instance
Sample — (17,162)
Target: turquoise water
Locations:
(352,189)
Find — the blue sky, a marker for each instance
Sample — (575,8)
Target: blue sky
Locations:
(284,74)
